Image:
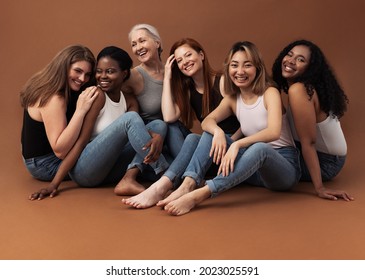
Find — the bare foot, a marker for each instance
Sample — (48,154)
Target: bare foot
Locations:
(129,185)
(151,195)
(187,186)
(185,203)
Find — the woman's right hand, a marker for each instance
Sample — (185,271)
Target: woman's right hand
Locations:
(86,99)
(333,194)
(168,66)
(219,147)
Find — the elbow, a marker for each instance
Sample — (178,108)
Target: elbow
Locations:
(60,155)
(170,120)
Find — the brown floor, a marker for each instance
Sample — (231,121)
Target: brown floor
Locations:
(244,223)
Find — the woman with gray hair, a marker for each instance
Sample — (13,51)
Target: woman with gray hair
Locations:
(145,82)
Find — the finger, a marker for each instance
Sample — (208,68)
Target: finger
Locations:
(34,196)
(53,193)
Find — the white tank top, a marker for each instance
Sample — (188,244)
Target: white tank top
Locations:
(253,118)
(109,113)
(330,138)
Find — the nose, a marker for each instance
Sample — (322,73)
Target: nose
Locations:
(241,70)
(291,60)
(82,77)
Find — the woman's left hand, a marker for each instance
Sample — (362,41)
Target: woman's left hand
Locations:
(155,145)
(333,194)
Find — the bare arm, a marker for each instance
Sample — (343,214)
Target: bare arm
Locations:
(170,110)
(62,136)
(304,115)
(69,161)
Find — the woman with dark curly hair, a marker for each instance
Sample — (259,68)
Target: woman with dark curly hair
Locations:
(316,102)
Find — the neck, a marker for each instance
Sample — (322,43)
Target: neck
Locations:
(114,95)
(154,66)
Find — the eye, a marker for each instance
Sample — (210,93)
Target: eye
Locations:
(98,71)
(109,71)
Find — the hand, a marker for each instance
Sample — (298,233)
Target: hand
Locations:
(168,66)
(155,145)
(86,99)
(219,146)
(227,164)
(51,191)
(333,194)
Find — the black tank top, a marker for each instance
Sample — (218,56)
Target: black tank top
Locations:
(34,138)
(229,125)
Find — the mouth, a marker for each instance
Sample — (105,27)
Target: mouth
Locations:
(241,79)
(141,53)
(104,84)
(288,68)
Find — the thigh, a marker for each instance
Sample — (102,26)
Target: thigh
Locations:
(277,169)
(43,168)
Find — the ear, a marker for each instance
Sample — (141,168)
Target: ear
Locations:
(158,44)
(202,55)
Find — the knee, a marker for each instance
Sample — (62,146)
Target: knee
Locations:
(193,137)
(158,126)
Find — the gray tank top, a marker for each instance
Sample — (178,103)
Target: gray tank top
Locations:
(150,97)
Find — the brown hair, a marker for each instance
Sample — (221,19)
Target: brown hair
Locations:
(53,79)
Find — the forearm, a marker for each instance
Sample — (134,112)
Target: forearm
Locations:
(311,160)
(69,136)
(170,110)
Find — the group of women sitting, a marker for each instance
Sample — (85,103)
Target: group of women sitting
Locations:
(100,121)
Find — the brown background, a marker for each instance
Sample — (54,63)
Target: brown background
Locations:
(244,223)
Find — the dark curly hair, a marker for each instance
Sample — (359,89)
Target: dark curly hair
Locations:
(318,76)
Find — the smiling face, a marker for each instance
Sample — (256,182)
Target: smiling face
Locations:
(295,62)
(109,76)
(189,61)
(79,74)
(241,70)
(144,46)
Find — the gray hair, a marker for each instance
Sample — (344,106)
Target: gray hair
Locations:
(151,30)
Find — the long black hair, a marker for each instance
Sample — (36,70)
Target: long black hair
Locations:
(318,76)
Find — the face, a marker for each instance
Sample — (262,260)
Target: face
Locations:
(189,60)
(79,74)
(109,76)
(241,70)
(144,46)
(295,62)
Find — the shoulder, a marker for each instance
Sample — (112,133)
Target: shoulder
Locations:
(271,93)
(297,88)
(100,99)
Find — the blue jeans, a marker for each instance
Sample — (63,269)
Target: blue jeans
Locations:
(43,168)
(159,127)
(178,166)
(258,164)
(110,151)
(175,137)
